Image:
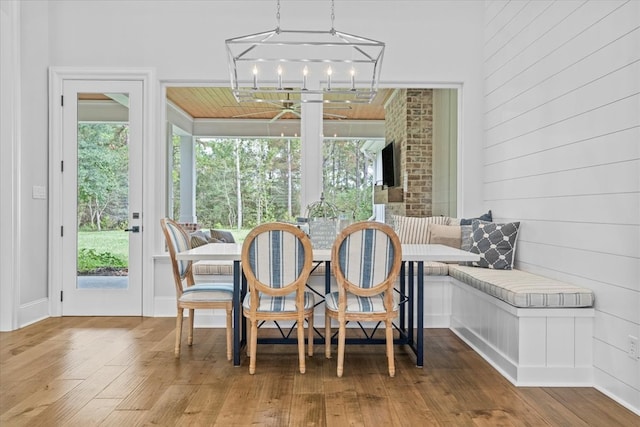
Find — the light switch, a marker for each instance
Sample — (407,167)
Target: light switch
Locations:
(39,192)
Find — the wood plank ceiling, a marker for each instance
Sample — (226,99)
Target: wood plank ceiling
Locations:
(219,103)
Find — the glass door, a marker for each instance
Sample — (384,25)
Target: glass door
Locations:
(102,191)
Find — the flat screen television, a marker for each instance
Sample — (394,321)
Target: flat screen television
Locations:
(388,166)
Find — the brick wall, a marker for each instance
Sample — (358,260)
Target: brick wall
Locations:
(409,123)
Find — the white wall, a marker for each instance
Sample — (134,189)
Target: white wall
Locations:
(562,125)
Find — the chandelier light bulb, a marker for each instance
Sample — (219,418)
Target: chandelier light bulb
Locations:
(255,77)
(305,71)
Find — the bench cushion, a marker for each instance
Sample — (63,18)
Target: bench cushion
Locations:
(522,289)
(434,268)
(206,267)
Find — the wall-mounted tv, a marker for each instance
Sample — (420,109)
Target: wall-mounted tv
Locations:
(388,166)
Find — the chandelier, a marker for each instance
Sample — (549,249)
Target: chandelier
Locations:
(304,65)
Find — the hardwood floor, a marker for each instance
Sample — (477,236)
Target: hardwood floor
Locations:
(115,371)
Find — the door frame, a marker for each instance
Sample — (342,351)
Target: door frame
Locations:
(57,76)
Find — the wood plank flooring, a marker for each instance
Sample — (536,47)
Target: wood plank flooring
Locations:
(120,371)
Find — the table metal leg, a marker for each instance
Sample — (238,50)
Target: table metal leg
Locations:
(237,313)
(420,308)
(411,303)
(402,289)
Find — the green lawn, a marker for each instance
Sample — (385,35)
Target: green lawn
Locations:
(117,242)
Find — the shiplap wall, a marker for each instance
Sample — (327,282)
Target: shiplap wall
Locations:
(562,142)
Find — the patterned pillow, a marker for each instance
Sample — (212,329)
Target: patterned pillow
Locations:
(414,230)
(465,236)
(495,243)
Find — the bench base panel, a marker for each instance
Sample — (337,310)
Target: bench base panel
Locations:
(530,347)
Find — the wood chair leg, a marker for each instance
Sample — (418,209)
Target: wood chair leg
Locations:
(301,351)
(254,344)
(178,331)
(389,331)
(341,339)
(191,319)
(229,333)
(310,326)
(327,335)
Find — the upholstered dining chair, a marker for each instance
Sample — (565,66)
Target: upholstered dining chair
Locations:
(192,296)
(277,261)
(366,258)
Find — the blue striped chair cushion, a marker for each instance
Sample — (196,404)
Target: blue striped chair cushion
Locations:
(285,303)
(357,304)
(365,257)
(180,243)
(208,292)
(276,258)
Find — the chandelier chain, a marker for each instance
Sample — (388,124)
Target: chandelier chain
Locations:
(333,16)
(278,15)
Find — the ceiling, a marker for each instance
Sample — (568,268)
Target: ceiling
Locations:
(219,103)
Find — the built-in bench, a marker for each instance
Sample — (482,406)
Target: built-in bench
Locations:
(534,330)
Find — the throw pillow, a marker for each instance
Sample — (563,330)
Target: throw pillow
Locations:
(198,238)
(222,235)
(449,235)
(495,243)
(465,235)
(484,217)
(413,230)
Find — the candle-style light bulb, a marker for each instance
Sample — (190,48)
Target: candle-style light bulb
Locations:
(255,77)
(329,72)
(353,79)
(279,77)
(305,71)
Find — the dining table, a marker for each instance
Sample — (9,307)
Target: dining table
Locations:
(411,286)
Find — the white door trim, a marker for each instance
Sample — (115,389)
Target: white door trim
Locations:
(57,75)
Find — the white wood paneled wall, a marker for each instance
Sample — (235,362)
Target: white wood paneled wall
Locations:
(562,155)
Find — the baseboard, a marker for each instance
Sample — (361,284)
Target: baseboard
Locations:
(33,312)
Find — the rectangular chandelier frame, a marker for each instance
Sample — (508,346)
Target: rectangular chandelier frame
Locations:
(288,65)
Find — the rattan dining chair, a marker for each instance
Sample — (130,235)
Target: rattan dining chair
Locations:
(366,258)
(277,261)
(192,296)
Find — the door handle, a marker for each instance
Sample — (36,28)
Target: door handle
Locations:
(134,229)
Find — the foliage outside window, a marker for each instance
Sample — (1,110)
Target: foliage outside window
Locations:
(103,167)
(243,182)
(348,178)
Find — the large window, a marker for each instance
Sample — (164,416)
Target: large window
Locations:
(242,182)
